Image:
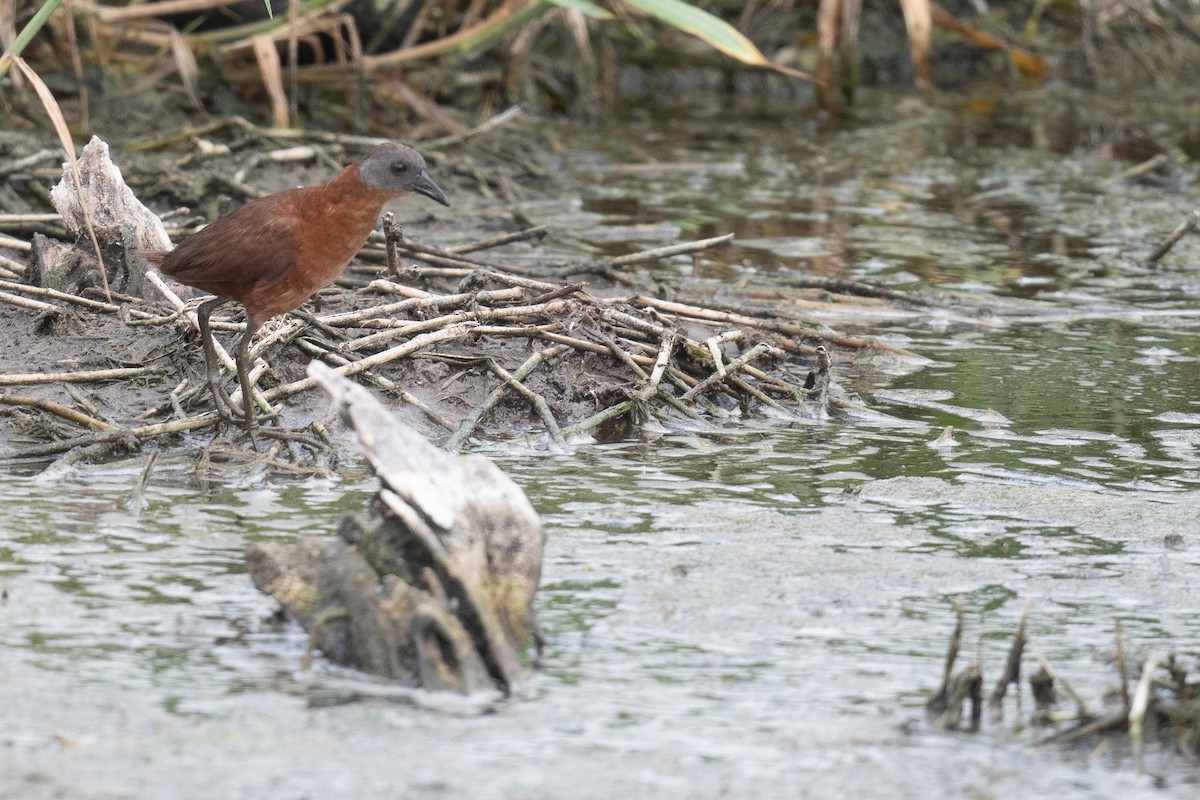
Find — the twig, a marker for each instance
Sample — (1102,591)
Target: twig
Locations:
(12,243)
(425,302)
(1090,725)
(735,365)
(34,305)
(597,419)
(714,342)
(666,346)
(392,233)
(15,269)
(438,255)
(563,291)
(503,118)
(456,268)
(1137,712)
(1012,667)
(456,331)
(653,254)
(38,291)
(58,409)
(857,288)
(756,393)
(25,379)
(137,495)
(661,367)
(135,434)
(285,331)
(624,357)
(1189,222)
(391,287)
(49,154)
(328,354)
(955,643)
(733,318)
(19,221)
(536,232)
(533,397)
(1080,704)
(1144,168)
(483,315)
(471,421)
(1122,668)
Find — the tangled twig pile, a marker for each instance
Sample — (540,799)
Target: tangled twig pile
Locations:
(531,345)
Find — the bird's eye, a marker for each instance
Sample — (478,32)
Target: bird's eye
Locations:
(399,168)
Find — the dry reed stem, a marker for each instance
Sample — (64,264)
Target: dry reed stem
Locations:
(1080,704)
(759,349)
(454,331)
(58,409)
(427,302)
(159,8)
(471,421)
(539,402)
(30,303)
(337,359)
(140,433)
(64,137)
(37,291)
(1137,711)
(87,376)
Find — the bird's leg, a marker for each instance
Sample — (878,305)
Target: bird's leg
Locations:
(243,371)
(222,401)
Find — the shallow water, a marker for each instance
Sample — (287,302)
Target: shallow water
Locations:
(756,613)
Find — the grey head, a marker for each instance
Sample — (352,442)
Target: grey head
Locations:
(399,168)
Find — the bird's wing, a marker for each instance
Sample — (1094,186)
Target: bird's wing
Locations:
(254,244)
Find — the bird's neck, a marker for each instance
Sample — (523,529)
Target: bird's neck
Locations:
(350,207)
(349,190)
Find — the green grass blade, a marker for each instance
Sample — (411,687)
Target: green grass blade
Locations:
(700,23)
(590,9)
(26,35)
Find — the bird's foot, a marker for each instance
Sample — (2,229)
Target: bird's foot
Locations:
(226,409)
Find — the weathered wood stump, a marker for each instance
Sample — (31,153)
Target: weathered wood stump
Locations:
(432,585)
(122,225)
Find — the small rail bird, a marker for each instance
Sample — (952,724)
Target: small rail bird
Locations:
(275,252)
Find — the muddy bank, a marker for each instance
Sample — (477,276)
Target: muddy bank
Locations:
(584,361)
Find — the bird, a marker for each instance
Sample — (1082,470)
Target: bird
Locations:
(275,252)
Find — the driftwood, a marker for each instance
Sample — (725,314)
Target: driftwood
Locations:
(432,585)
(121,223)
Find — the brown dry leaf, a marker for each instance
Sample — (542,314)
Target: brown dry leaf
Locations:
(1029,64)
(185,63)
(64,137)
(829,12)
(272,75)
(576,24)
(918,19)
